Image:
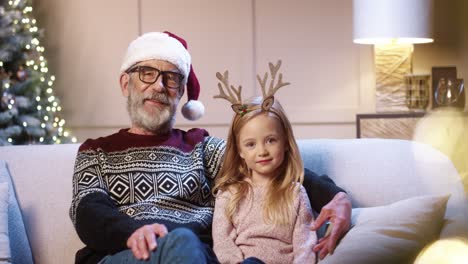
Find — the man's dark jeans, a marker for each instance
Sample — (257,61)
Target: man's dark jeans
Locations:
(180,245)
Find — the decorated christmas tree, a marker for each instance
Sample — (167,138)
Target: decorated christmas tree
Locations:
(30,113)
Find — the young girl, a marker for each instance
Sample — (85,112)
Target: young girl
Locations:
(262,212)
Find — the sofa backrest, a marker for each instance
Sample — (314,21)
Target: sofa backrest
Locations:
(382,171)
(374,172)
(42,179)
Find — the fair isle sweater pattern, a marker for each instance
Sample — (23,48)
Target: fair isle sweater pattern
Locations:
(157,183)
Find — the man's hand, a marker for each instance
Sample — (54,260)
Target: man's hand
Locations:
(143,240)
(338,212)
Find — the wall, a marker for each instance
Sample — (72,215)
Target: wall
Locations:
(332,78)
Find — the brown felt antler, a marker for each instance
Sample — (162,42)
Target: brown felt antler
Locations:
(232,94)
(268,96)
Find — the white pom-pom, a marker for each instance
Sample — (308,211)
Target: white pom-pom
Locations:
(193,110)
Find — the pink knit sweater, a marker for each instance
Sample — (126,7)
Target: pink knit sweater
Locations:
(249,236)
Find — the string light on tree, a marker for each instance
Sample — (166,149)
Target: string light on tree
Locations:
(29,109)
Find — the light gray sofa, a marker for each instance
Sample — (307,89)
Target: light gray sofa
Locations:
(374,172)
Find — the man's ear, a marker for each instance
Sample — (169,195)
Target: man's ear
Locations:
(124,83)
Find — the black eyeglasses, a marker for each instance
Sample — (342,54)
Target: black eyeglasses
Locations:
(150,75)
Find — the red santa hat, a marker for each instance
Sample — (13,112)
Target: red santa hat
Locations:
(172,48)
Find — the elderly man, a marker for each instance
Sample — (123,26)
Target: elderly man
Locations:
(144,193)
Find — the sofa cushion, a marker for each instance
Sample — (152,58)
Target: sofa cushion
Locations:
(391,234)
(377,172)
(4,240)
(19,243)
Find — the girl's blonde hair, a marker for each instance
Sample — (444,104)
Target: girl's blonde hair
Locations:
(278,207)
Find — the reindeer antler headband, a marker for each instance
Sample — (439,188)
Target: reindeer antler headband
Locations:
(233,95)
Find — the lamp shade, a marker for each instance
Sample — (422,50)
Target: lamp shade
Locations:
(386,21)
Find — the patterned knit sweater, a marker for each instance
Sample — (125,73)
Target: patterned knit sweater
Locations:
(249,236)
(124,181)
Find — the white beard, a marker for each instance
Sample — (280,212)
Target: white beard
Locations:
(157,121)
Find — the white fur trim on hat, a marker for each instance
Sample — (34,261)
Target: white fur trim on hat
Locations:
(193,110)
(158,46)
